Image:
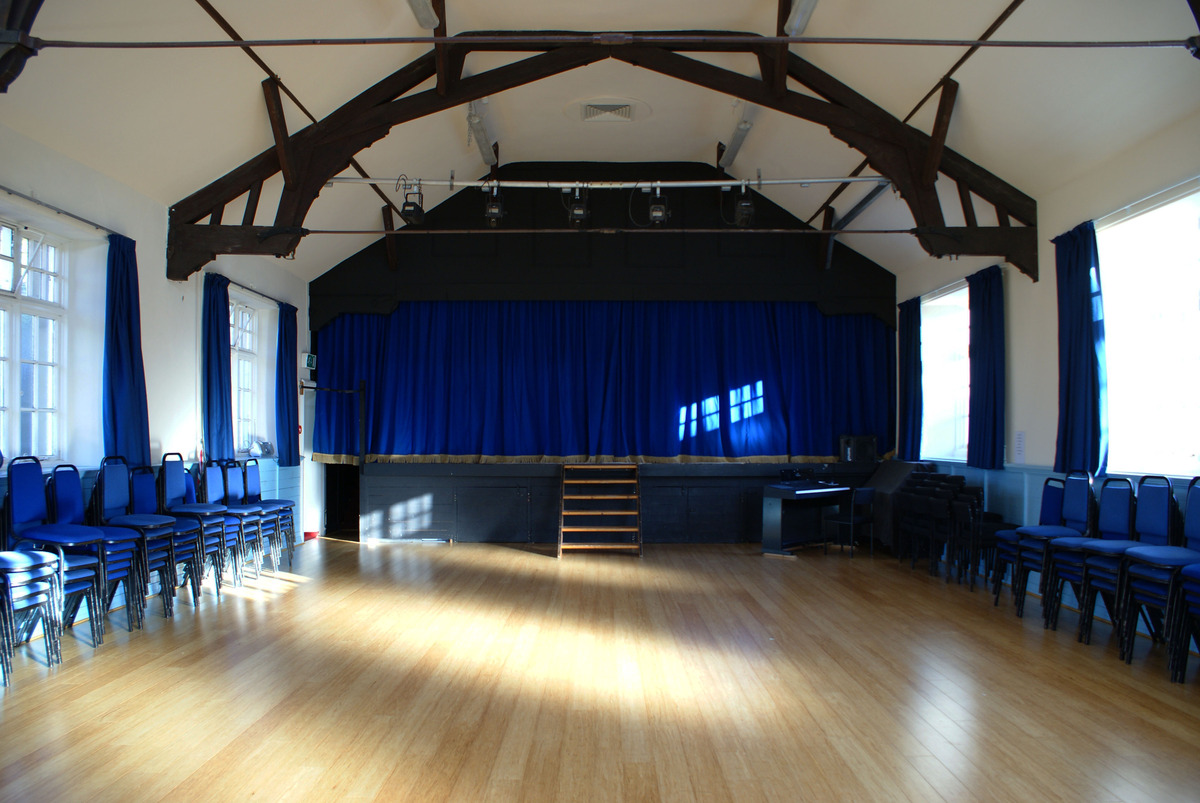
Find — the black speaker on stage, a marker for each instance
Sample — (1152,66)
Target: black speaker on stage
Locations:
(857,448)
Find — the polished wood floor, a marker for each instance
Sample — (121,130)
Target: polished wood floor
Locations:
(480,672)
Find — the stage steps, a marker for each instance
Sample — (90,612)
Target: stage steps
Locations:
(601,507)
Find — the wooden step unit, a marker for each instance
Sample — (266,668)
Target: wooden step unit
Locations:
(601,507)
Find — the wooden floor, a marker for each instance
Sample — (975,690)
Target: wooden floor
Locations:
(480,672)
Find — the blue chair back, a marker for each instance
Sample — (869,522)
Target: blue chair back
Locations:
(143,498)
(1114,521)
(1078,502)
(253,481)
(235,490)
(1157,511)
(1052,501)
(112,488)
(214,485)
(189,488)
(172,488)
(1191,515)
(25,502)
(66,495)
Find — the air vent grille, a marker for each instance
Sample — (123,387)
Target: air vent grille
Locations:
(607,112)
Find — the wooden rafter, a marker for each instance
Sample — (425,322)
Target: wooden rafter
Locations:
(283,145)
(16,45)
(941,127)
(898,151)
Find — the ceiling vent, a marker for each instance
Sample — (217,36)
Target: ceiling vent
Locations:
(607,112)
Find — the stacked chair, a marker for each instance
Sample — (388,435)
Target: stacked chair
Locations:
(1008,540)
(1156,577)
(111,508)
(284,509)
(1189,615)
(31,585)
(241,522)
(268,515)
(1067,556)
(187,547)
(177,497)
(1078,519)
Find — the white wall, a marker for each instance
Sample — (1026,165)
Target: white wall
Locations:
(1165,158)
(170,310)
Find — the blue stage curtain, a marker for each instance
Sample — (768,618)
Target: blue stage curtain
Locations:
(911,398)
(287,413)
(1081,365)
(216,402)
(985,436)
(126,417)
(548,381)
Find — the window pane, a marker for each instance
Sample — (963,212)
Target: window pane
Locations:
(6,242)
(1150,277)
(945,376)
(28,338)
(28,400)
(26,432)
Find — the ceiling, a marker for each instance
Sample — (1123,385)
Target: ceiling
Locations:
(168,122)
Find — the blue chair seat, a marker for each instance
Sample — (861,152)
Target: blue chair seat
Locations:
(22,561)
(1070,542)
(1046,532)
(62,534)
(197,509)
(1109,546)
(1173,556)
(141,520)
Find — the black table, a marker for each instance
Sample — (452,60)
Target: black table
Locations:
(810,494)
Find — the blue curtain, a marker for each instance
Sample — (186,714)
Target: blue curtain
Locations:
(911,399)
(216,402)
(125,413)
(1081,365)
(287,414)
(985,435)
(479,381)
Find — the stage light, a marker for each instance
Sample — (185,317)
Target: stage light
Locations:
(660,213)
(411,210)
(427,18)
(743,212)
(493,209)
(577,210)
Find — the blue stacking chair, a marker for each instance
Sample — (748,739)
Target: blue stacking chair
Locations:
(177,497)
(283,508)
(78,548)
(1106,567)
(186,546)
(242,521)
(268,516)
(1114,534)
(1078,516)
(1188,626)
(1008,540)
(30,585)
(1152,589)
(110,508)
(118,546)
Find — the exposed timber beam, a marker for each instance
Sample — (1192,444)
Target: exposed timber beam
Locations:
(941,126)
(444,78)
(283,144)
(827,239)
(896,150)
(860,207)
(16,45)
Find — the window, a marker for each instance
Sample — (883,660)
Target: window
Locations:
(1150,280)
(31,337)
(243,344)
(945,374)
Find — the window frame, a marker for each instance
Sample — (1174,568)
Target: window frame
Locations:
(15,305)
(959,417)
(262,359)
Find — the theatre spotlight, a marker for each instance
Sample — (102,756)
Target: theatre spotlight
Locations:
(411,210)
(577,210)
(427,18)
(493,208)
(659,211)
(743,211)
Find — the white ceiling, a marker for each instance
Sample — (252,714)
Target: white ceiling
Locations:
(168,122)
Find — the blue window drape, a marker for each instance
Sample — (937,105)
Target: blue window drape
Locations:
(985,436)
(126,418)
(287,415)
(911,414)
(216,402)
(1081,367)
(479,381)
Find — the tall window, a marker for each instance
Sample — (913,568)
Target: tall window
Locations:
(244,345)
(1150,277)
(31,322)
(945,374)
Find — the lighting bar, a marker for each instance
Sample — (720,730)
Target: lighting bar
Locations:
(725,184)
